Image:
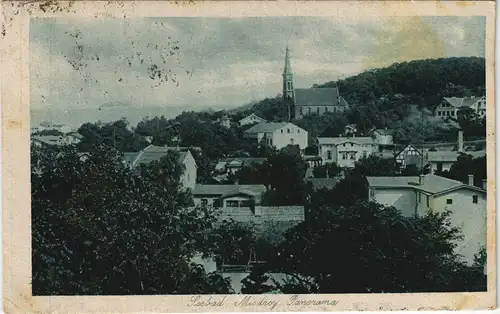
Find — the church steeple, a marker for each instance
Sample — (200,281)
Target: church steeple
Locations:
(288,88)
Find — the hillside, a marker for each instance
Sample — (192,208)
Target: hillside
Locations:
(424,81)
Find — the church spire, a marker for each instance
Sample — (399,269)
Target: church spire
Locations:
(288,67)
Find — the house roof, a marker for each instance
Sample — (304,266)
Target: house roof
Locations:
(450,156)
(318,97)
(250,116)
(49,139)
(228,189)
(462,101)
(340,140)
(431,183)
(407,146)
(147,156)
(384,131)
(321,183)
(266,127)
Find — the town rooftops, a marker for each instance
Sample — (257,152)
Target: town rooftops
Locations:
(266,127)
(224,190)
(341,140)
(49,139)
(431,184)
(450,156)
(152,153)
(253,115)
(462,102)
(318,97)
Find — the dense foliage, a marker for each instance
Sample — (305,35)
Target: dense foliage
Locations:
(362,241)
(467,165)
(99,228)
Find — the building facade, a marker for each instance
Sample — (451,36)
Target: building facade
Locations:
(450,106)
(278,135)
(419,194)
(304,101)
(251,119)
(345,151)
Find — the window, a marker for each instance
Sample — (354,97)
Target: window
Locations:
(232,203)
(453,113)
(298,130)
(281,131)
(287,130)
(420,198)
(204,202)
(428,201)
(439,113)
(329,154)
(317,110)
(353,155)
(449,201)
(271,141)
(326,109)
(301,111)
(309,110)
(334,109)
(474,199)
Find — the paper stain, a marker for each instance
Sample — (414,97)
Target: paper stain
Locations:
(14,124)
(403,39)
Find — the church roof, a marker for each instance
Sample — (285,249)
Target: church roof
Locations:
(318,97)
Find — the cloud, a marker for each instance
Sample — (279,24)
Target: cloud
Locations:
(221,61)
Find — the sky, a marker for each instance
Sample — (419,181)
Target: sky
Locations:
(83,69)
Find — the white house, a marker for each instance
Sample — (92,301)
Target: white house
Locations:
(278,134)
(450,106)
(345,151)
(232,196)
(251,119)
(225,121)
(383,136)
(443,160)
(419,194)
(155,153)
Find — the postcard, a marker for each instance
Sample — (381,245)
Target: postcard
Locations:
(248,156)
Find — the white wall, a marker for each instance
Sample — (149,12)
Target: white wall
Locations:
(297,136)
(188,178)
(446,165)
(467,215)
(403,199)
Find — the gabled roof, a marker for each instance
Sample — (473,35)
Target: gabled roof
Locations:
(253,115)
(451,156)
(152,153)
(431,184)
(409,146)
(227,189)
(462,102)
(318,97)
(341,140)
(267,127)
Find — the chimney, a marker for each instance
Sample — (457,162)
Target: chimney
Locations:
(460,141)
(485,184)
(421,179)
(471,179)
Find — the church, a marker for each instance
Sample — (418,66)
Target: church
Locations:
(309,100)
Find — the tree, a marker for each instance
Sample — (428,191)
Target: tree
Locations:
(100,228)
(329,170)
(256,282)
(376,166)
(471,123)
(420,258)
(231,242)
(467,165)
(284,173)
